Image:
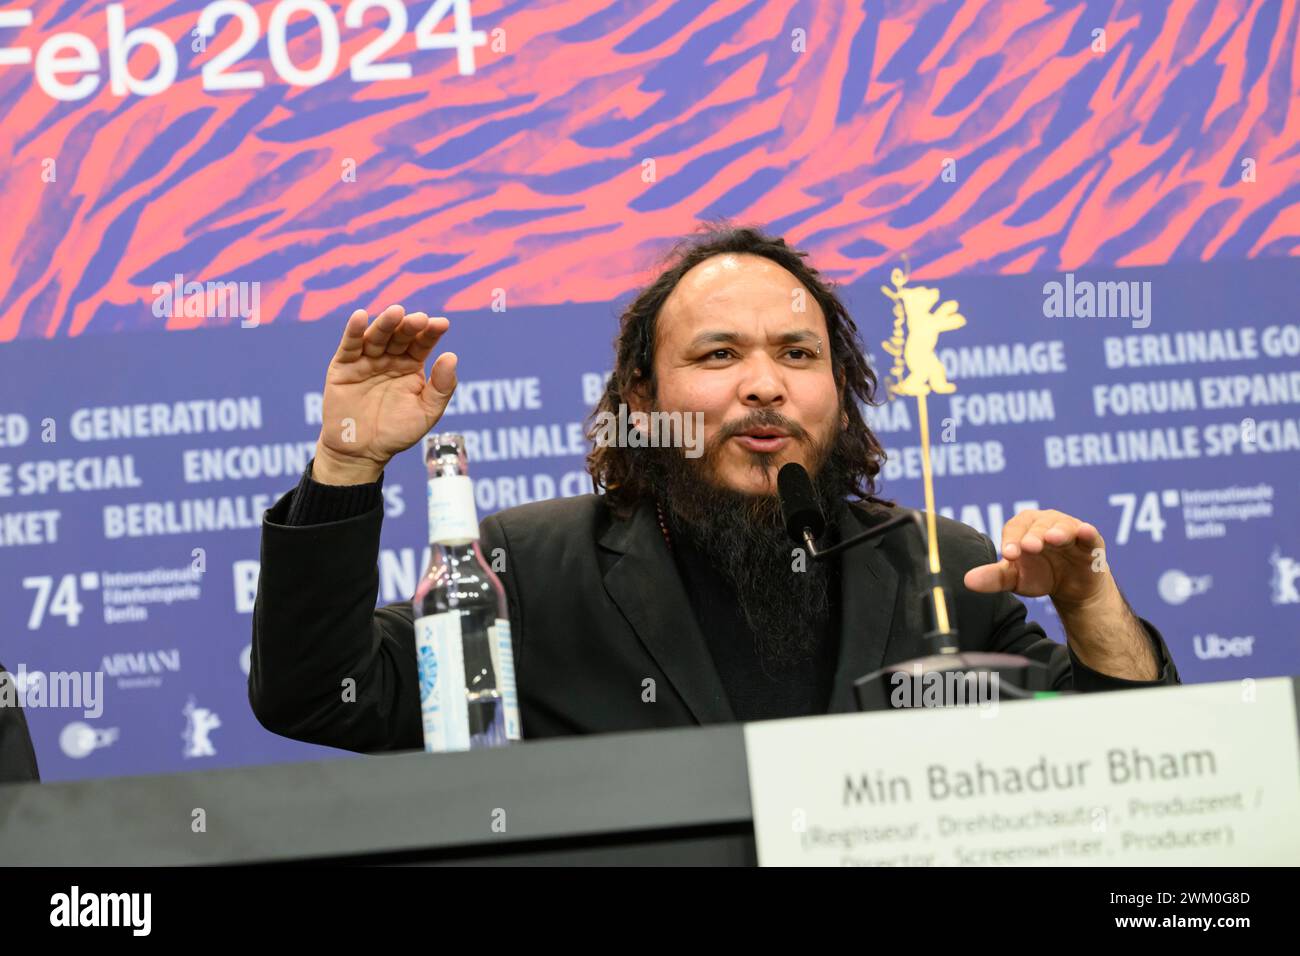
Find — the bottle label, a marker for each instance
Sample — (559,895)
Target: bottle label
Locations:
(503,662)
(444,703)
(453,519)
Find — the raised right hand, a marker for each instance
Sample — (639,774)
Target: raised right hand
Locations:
(377,401)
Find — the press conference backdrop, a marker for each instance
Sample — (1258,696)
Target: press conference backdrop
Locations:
(518,167)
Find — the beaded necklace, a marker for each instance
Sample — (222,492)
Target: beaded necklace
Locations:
(663,526)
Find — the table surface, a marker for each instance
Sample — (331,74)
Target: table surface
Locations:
(673,783)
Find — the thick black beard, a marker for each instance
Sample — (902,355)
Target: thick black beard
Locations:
(744,537)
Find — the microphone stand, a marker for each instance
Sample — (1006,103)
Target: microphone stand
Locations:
(947,676)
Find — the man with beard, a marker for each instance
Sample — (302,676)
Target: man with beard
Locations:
(769,628)
(674,597)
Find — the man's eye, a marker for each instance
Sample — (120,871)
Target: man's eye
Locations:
(798,354)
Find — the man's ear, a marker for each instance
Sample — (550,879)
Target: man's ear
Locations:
(637,397)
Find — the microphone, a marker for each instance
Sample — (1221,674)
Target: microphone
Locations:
(804,521)
(1019,676)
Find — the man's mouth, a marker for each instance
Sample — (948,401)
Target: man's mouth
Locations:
(764,439)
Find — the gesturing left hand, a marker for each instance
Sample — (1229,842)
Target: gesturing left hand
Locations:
(1047,552)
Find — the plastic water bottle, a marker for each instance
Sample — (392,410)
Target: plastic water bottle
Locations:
(462,628)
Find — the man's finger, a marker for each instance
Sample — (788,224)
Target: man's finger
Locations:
(1087,537)
(1015,529)
(354,330)
(381,330)
(442,379)
(405,333)
(1033,541)
(428,338)
(1063,533)
(989,578)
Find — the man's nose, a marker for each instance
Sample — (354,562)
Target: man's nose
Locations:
(762,384)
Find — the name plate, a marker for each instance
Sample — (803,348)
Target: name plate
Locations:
(1168,776)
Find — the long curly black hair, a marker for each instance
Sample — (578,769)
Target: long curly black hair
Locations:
(616,469)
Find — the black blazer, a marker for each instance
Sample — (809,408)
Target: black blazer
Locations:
(17,756)
(596,607)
